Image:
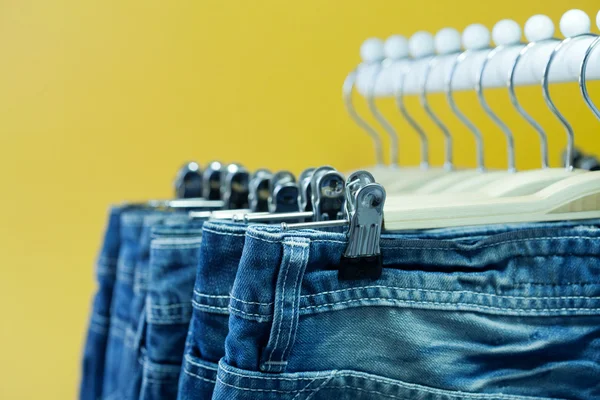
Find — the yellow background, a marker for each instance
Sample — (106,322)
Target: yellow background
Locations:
(101,101)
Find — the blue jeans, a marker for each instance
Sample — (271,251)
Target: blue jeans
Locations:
(220,253)
(132,360)
(477,313)
(168,308)
(130,230)
(97,335)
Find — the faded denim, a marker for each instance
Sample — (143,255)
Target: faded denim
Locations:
(130,230)
(168,308)
(470,313)
(97,336)
(220,254)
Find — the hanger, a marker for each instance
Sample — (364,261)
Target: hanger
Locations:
(371,52)
(506,35)
(475,39)
(583,72)
(577,197)
(421,47)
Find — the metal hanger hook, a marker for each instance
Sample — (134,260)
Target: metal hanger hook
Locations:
(517,105)
(510,140)
(583,78)
(370,96)
(399,95)
(450,98)
(347,90)
(550,103)
(448,144)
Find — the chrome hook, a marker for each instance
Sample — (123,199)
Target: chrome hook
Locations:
(538,29)
(420,46)
(395,49)
(372,51)
(475,37)
(447,42)
(506,34)
(583,78)
(572,26)
(583,72)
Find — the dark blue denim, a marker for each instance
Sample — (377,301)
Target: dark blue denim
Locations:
(132,360)
(174,253)
(97,336)
(220,254)
(475,313)
(131,228)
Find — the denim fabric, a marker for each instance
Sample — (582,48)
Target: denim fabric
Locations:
(97,336)
(168,308)
(475,313)
(132,360)
(131,229)
(220,254)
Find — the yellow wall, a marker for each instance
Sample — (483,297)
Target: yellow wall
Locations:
(102,100)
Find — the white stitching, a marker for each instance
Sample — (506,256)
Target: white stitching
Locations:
(252,302)
(450,292)
(404,385)
(296,290)
(199,305)
(211,296)
(492,244)
(287,269)
(169,306)
(262,390)
(248,234)
(262,317)
(316,389)
(189,359)
(198,376)
(223,233)
(475,306)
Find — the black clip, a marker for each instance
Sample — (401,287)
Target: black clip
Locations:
(188,183)
(258,196)
(235,181)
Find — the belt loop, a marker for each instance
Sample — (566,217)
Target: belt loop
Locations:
(287,304)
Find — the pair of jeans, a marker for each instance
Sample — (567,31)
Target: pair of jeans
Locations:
(172,269)
(476,313)
(132,359)
(220,254)
(97,336)
(131,224)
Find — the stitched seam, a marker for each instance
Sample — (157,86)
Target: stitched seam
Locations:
(262,390)
(174,247)
(451,292)
(189,360)
(476,306)
(223,233)
(299,269)
(210,296)
(553,238)
(252,302)
(199,305)
(279,241)
(321,386)
(316,389)
(280,322)
(176,305)
(260,317)
(404,385)
(199,377)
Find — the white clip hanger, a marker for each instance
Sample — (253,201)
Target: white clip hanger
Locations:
(540,28)
(577,197)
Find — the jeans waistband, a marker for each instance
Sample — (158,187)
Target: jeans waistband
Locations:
(535,269)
